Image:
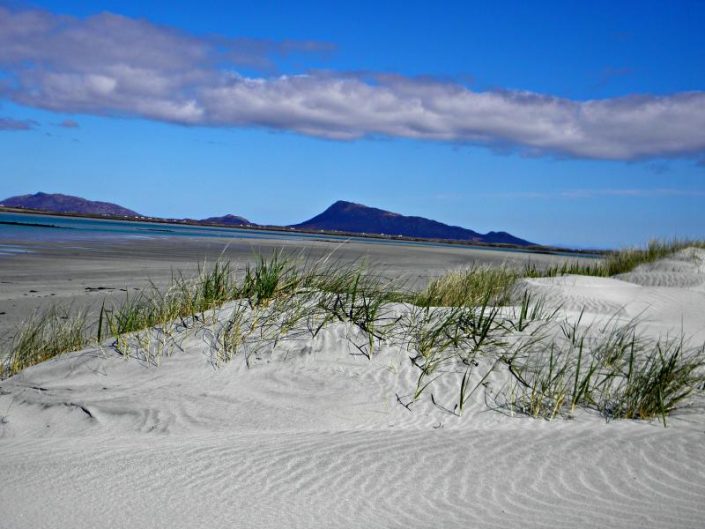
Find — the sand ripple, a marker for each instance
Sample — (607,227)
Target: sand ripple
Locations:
(534,475)
(314,436)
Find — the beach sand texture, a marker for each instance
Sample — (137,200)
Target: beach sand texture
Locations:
(82,273)
(312,435)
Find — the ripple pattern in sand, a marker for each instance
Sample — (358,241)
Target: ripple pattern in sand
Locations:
(535,475)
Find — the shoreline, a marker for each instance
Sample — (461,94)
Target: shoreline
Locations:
(366,237)
(84,272)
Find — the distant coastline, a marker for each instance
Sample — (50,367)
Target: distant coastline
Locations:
(539,249)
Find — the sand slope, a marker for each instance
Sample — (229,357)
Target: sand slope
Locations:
(667,296)
(312,435)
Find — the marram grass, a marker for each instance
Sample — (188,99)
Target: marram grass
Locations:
(458,323)
(469,287)
(613,371)
(44,335)
(617,261)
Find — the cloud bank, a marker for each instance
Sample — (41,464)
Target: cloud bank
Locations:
(113,65)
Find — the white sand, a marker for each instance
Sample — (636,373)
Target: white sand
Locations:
(313,436)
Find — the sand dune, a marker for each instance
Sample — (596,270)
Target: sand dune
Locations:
(312,434)
(667,295)
(83,273)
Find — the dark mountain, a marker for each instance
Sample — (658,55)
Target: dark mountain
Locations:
(356,218)
(57,203)
(341,216)
(232,220)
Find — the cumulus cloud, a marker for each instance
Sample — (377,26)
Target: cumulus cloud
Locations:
(16,124)
(113,65)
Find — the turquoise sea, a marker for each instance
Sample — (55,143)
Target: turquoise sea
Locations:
(16,228)
(34,227)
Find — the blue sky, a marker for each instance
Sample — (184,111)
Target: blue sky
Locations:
(576,123)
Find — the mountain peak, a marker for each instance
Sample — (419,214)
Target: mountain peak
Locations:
(344,204)
(357,218)
(342,216)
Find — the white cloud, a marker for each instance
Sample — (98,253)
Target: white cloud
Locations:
(113,65)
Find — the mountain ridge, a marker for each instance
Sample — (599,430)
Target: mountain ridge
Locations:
(358,218)
(59,203)
(341,216)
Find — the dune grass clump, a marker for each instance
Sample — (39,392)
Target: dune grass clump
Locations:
(43,336)
(597,269)
(268,279)
(232,336)
(657,383)
(542,388)
(182,299)
(354,296)
(612,370)
(443,340)
(187,297)
(616,262)
(430,340)
(283,302)
(550,377)
(208,290)
(469,287)
(626,260)
(136,314)
(527,311)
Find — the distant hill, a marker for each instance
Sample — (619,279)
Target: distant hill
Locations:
(342,216)
(356,218)
(232,220)
(55,202)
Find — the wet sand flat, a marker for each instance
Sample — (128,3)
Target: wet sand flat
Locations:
(83,273)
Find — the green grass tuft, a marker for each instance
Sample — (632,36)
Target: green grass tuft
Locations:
(469,323)
(467,288)
(43,336)
(611,370)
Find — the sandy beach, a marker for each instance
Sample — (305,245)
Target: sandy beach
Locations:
(82,273)
(310,433)
(370,265)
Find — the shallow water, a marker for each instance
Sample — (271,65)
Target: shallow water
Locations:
(49,228)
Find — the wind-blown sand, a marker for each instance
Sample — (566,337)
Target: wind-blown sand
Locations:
(312,435)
